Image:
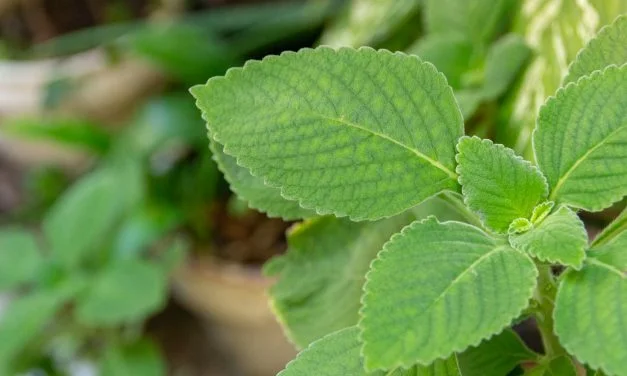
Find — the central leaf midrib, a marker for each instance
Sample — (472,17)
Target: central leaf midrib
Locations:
(430,160)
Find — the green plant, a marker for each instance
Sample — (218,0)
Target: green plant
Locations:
(373,140)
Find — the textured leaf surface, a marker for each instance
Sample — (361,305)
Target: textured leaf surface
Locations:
(607,48)
(322,274)
(581,141)
(339,354)
(137,359)
(125,292)
(590,309)
(438,288)
(252,189)
(561,238)
(362,133)
(498,185)
(20,257)
(560,366)
(496,356)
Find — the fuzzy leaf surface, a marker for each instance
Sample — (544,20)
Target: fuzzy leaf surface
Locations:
(339,354)
(438,288)
(606,48)
(580,141)
(560,238)
(590,309)
(359,133)
(251,188)
(498,185)
(326,263)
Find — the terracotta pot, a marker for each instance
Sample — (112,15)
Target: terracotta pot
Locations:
(233,303)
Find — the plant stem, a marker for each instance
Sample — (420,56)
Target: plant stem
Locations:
(545,299)
(457,203)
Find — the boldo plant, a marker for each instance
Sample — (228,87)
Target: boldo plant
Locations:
(422,247)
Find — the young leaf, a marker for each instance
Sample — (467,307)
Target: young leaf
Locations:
(561,238)
(498,185)
(338,354)
(125,292)
(337,132)
(496,356)
(438,288)
(505,59)
(252,188)
(607,48)
(138,359)
(322,274)
(20,257)
(581,138)
(560,366)
(590,309)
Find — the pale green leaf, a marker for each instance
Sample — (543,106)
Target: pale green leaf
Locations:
(339,354)
(504,62)
(561,238)
(590,309)
(541,211)
(496,356)
(498,185)
(362,133)
(20,257)
(326,263)
(259,196)
(83,217)
(519,225)
(606,48)
(438,288)
(124,292)
(560,366)
(581,138)
(138,359)
(450,53)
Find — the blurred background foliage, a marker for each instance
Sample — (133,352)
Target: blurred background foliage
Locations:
(108,187)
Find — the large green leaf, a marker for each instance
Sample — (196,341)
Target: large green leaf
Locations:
(362,133)
(438,288)
(126,291)
(560,238)
(20,257)
(323,272)
(252,188)
(338,354)
(497,184)
(590,309)
(607,48)
(560,366)
(496,356)
(581,138)
(138,359)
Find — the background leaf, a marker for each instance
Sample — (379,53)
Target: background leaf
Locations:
(337,132)
(124,292)
(505,59)
(434,277)
(138,359)
(561,238)
(606,48)
(497,184)
(20,257)
(560,366)
(581,138)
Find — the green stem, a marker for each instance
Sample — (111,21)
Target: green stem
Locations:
(456,202)
(545,304)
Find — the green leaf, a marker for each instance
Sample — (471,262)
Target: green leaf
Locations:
(561,238)
(590,306)
(20,257)
(251,188)
(138,359)
(607,48)
(469,101)
(338,354)
(83,217)
(581,138)
(438,288)
(618,226)
(449,53)
(505,59)
(496,356)
(335,131)
(498,185)
(322,274)
(560,366)
(125,292)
